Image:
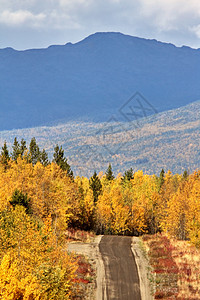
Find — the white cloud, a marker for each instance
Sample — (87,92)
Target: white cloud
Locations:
(159,15)
(175,21)
(196,30)
(174,7)
(171,14)
(68,3)
(62,21)
(20,17)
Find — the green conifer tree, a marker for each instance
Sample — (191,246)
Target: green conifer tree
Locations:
(18,198)
(109,173)
(161,178)
(44,158)
(5,157)
(185,174)
(96,186)
(16,150)
(23,147)
(61,160)
(34,152)
(128,175)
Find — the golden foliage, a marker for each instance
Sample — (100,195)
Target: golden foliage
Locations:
(33,265)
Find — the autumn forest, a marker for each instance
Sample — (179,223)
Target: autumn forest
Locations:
(40,200)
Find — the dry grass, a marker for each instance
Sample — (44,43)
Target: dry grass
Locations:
(79,235)
(187,258)
(176,267)
(84,282)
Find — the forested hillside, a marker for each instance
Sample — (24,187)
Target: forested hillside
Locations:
(169,140)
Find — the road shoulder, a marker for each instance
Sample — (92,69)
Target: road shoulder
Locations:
(91,250)
(144,271)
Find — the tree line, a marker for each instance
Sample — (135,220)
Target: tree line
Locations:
(33,154)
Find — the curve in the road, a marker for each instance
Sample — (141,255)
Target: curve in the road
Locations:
(122,280)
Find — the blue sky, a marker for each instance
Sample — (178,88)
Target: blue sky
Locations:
(39,23)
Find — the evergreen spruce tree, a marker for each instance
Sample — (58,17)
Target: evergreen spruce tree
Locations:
(61,160)
(23,147)
(5,157)
(128,175)
(161,178)
(34,152)
(44,158)
(16,150)
(109,173)
(185,174)
(18,198)
(96,186)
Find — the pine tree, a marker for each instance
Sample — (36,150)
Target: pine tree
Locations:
(23,147)
(34,152)
(161,178)
(18,198)
(16,149)
(185,174)
(61,160)
(44,158)
(96,186)
(5,157)
(128,175)
(109,173)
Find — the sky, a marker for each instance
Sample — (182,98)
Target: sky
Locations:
(28,24)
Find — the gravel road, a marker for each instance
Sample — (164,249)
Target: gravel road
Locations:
(122,280)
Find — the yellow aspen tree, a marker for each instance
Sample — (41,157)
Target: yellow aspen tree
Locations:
(193,213)
(33,260)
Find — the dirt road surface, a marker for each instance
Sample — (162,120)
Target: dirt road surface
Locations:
(116,269)
(121,275)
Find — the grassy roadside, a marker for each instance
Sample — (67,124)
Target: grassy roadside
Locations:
(86,273)
(85,281)
(176,267)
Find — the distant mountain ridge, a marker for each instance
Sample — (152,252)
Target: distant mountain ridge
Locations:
(92,78)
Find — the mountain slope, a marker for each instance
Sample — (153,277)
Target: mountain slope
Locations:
(90,79)
(169,140)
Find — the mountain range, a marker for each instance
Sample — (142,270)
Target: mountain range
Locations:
(90,80)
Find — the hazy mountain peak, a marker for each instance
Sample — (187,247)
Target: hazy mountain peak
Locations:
(94,78)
